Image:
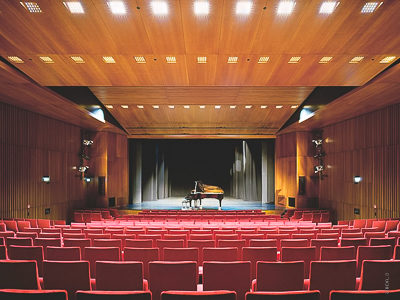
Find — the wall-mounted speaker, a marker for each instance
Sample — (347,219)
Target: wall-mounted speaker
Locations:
(102,185)
(292,201)
(302,185)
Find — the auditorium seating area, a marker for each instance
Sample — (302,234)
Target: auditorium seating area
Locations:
(246,252)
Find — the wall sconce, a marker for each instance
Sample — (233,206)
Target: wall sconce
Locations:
(357,179)
(46,179)
(87,142)
(82,169)
(318,169)
(88,179)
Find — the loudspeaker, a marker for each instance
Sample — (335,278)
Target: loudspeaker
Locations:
(302,185)
(102,185)
(111,202)
(292,202)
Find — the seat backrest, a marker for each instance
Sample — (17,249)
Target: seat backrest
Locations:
(256,254)
(372,253)
(318,243)
(166,276)
(144,255)
(32,235)
(359,223)
(379,224)
(356,242)
(287,276)
(351,235)
(208,236)
(6,234)
(290,295)
(233,243)
(200,244)
(369,235)
(51,230)
(3,252)
(250,236)
(93,254)
(263,243)
(332,275)
(397,252)
(27,253)
(66,275)
(23,224)
(181,254)
(327,235)
(294,243)
(380,275)
(11,225)
(19,274)
(152,237)
(138,243)
(232,276)
(365,295)
(391,241)
(74,236)
(10,294)
(107,243)
(161,244)
(81,243)
(119,276)
(45,242)
(43,223)
(49,235)
(63,253)
(306,254)
(117,295)
(220,254)
(202,295)
(278,237)
(19,241)
(391,225)
(338,253)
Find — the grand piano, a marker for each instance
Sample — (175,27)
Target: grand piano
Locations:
(202,191)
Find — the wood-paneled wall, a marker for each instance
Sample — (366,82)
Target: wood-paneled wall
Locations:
(367,146)
(32,146)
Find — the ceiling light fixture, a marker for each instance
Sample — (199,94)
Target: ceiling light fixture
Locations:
(232,106)
(328,7)
(186,106)
(160,8)
(171,106)
(109,106)
(156,106)
(32,7)
(117,7)
(232,59)
(217,106)
(278,106)
(125,106)
(75,7)
(47,59)
(294,59)
(285,7)
(294,106)
(248,106)
(140,106)
(370,7)
(244,7)
(15,59)
(109,59)
(263,106)
(387,59)
(201,8)
(140,59)
(202,106)
(171,59)
(263,60)
(78,59)
(325,59)
(202,60)
(356,59)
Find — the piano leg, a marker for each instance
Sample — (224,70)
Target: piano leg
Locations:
(201,206)
(220,204)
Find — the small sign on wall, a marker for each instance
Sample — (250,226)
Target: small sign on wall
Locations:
(356,211)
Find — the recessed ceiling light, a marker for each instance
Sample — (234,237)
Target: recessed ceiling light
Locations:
(109,106)
(75,7)
(356,59)
(160,8)
(325,59)
(285,7)
(140,106)
(217,106)
(78,59)
(171,59)
(202,106)
(294,106)
(47,59)
(263,59)
(244,7)
(140,59)
(248,106)
(109,59)
(186,106)
(201,8)
(32,7)
(370,7)
(171,106)
(15,59)
(156,106)
(232,60)
(125,106)
(232,106)
(117,7)
(201,59)
(387,59)
(328,7)
(294,59)
(278,106)
(263,106)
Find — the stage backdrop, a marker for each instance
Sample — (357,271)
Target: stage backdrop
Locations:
(168,168)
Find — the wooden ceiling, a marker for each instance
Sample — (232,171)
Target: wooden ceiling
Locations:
(57,33)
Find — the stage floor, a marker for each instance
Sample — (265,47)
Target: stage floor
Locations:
(227,204)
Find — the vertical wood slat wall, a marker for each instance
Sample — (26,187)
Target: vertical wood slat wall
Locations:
(366,146)
(32,146)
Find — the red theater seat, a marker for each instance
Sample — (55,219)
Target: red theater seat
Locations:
(70,276)
(138,243)
(356,242)
(107,243)
(263,243)
(165,276)
(201,244)
(46,242)
(119,276)
(256,254)
(11,225)
(365,295)
(318,243)
(233,243)
(251,236)
(19,274)
(397,252)
(111,295)
(161,244)
(372,253)
(338,253)
(296,295)
(152,237)
(3,252)
(294,243)
(144,255)
(93,254)
(51,230)
(380,225)
(279,276)
(204,295)
(380,275)
(64,253)
(22,225)
(181,254)
(43,223)
(332,275)
(306,254)
(9,294)
(232,276)
(18,241)
(27,253)
(208,236)
(81,243)
(220,254)
(32,235)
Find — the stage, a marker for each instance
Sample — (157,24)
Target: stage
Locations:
(228,203)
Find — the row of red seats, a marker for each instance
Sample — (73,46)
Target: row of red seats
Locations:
(233,276)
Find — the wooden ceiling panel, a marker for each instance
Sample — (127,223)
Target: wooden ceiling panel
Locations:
(201,74)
